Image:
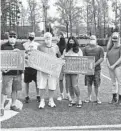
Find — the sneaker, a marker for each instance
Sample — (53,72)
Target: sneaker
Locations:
(71,104)
(119,101)
(14,108)
(68,97)
(1,112)
(42,105)
(61,97)
(38,98)
(98,101)
(114,99)
(87,100)
(27,99)
(51,103)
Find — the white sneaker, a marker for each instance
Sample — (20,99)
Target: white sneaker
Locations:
(98,101)
(42,105)
(61,97)
(87,100)
(68,97)
(51,103)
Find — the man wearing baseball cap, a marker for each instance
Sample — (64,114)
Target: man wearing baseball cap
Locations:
(92,49)
(11,78)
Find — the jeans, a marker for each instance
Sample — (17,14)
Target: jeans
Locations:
(71,82)
(115,76)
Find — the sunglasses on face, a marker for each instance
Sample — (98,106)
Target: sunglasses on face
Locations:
(12,36)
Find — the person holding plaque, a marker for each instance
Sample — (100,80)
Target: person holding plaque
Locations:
(72,49)
(30,74)
(114,66)
(62,45)
(11,78)
(44,79)
(92,49)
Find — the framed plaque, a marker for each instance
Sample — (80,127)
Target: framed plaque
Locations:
(12,60)
(79,65)
(45,63)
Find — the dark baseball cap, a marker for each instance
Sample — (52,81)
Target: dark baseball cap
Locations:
(12,33)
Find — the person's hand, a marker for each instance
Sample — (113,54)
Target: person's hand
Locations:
(109,66)
(26,57)
(16,49)
(92,66)
(29,53)
(112,67)
(26,63)
(5,70)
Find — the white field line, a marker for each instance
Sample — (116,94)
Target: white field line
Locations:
(106,76)
(64,128)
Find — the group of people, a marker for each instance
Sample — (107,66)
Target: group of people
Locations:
(13,78)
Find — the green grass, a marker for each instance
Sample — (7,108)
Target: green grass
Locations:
(62,115)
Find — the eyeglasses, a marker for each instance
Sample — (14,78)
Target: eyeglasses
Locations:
(12,36)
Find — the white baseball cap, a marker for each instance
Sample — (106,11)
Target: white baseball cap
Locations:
(31,34)
(93,37)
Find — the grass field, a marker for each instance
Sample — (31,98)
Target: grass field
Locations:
(62,115)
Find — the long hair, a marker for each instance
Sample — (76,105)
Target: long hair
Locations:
(110,43)
(62,44)
(74,47)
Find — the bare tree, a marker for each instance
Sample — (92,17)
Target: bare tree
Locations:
(9,14)
(70,13)
(116,4)
(34,15)
(96,16)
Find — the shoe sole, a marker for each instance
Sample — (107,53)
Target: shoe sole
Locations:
(51,106)
(71,104)
(97,102)
(15,110)
(88,101)
(59,99)
(41,107)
